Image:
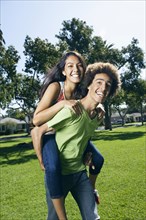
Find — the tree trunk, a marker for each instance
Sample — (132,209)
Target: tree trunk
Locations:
(107,116)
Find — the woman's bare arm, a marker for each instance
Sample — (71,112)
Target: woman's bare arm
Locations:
(45,109)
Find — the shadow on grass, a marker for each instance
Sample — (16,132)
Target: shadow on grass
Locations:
(22,152)
(117,135)
(16,154)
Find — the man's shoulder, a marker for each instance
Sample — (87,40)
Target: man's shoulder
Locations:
(67,111)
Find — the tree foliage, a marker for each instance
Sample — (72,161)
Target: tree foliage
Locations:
(41,55)
(77,35)
(8,62)
(134,63)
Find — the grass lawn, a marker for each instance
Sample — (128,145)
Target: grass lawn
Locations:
(121,183)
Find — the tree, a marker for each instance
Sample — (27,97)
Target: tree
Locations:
(107,106)
(40,56)
(133,100)
(8,74)
(101,51)
(77,35)
(15,113)
(134,63)
(130,66)
(138,97)
(2,43)
(24,100)
(119,102)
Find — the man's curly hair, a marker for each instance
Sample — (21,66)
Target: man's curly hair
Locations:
(107,68)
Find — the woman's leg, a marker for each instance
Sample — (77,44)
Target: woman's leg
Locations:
(97,161)
(53,175)
(36,135)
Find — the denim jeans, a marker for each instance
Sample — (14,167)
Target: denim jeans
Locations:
(97,158)
(82,191)
(53,166)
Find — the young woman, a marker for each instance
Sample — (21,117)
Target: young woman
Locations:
(61,87)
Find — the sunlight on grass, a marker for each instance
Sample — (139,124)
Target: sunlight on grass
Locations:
(121,183)
(122,180)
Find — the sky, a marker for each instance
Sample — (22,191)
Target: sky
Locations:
(116,21)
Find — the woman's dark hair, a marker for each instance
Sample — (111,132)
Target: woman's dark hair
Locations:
(55,74)
(99,67)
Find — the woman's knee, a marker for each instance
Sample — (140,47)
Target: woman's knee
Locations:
(98,164)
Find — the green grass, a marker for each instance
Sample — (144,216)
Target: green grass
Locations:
(122,180)
(121,183)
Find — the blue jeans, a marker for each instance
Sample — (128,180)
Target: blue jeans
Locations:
(53,166)
(97,158)
(81,189)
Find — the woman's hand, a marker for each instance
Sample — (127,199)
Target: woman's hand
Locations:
(100,110)
(74,105)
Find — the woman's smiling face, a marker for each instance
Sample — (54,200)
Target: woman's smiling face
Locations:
(73,69)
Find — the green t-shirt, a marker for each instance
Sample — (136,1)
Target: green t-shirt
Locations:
(72,135)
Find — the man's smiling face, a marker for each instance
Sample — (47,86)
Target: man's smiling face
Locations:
(100,87)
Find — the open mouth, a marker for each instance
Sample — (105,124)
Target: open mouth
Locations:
(100,94)
(75,75)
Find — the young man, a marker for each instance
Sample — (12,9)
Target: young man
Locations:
(72,135)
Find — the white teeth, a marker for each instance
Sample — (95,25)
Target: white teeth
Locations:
(74,75)
(99,93)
